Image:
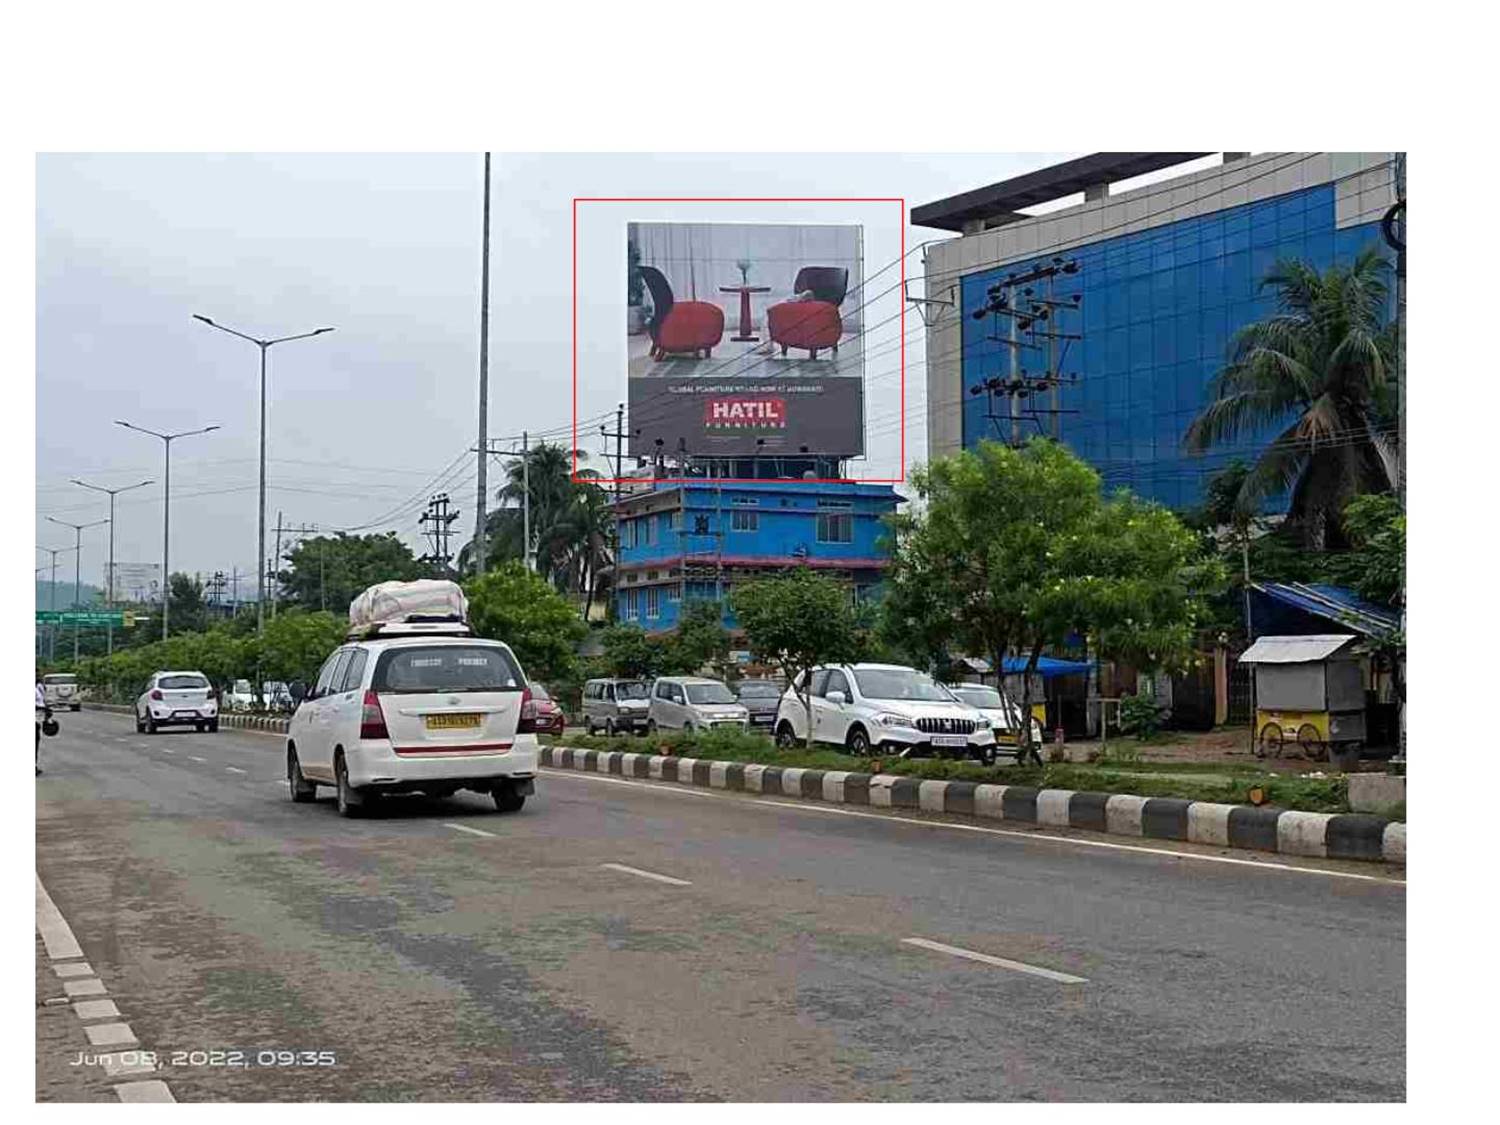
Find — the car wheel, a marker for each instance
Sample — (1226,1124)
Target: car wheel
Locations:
(140,724)
(651,728)
(859,742)
(507,799)
(786,737)
(76,707)
(588,726)
(350,803)
(150,723)
(609,728)
(687,728)
(301,789)
(213,727)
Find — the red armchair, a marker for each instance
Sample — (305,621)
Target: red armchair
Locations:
(811,324)
(678,327)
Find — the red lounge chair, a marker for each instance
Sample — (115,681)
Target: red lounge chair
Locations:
(680,326)
(812,324)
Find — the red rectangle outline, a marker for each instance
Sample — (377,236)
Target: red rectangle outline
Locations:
(900,200)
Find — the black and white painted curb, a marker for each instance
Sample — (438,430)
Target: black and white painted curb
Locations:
(117,1049)
(274,724)
(1323,835)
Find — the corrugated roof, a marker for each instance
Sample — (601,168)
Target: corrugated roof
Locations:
(1334,603)
(1294,650)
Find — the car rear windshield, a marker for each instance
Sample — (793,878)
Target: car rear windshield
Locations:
(538,691)
(709,693)
(453,668)
(979,696)
(899,683)
(180,683)
(759,691)
(60,679)
(631,691)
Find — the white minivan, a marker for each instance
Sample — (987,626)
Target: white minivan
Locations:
(415,708)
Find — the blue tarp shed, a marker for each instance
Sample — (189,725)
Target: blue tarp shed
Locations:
(1046,666)
(1285,607)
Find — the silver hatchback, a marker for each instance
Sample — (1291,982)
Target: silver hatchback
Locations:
(693,703)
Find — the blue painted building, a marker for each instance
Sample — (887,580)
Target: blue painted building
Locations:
(1165,275)
(684,541)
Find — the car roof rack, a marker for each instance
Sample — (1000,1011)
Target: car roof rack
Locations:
(412,626)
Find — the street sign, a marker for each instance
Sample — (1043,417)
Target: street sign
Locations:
(81,617)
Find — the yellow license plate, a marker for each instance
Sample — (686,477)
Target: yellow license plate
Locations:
(452,722)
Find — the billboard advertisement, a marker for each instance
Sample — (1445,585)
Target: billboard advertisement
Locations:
(745,339)
(135,582)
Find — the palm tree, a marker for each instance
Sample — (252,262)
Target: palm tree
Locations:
(1321,369)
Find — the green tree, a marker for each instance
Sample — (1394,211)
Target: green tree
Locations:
(1320,369)
(513,605)
(1375,564)
(189,612)
(796,621)
(1017,550)
(327,572)
(632,653)
(295,644)
(700,640)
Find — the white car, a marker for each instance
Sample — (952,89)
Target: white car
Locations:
(433,710)
(177,699)
(240,697)
(884,708)
(694,703)
(61,690)
(1001,710)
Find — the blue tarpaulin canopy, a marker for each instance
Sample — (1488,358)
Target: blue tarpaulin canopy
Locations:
(1046,666)
(1330,603)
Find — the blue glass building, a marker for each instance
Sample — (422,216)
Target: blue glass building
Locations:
(696,540)
(1166,274)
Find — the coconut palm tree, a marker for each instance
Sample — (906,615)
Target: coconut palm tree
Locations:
(1321,369)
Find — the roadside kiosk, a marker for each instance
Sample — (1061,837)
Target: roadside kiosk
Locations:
(1309,692)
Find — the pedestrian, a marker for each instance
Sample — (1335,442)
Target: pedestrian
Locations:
(43,714)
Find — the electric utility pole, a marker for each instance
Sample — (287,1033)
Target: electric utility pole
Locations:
(273,571)
(480,500)
(524,453)
(619,435)
(437,523)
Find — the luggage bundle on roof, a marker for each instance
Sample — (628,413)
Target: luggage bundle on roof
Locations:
(425,606)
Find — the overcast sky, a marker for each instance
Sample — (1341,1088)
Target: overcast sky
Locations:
(365,421)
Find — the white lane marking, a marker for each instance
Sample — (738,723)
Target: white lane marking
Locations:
(195,758)
(164,750)
(152,1090)
(1000,962)
(471,831)
(57,935)
(110,1035)
(679,791)
(93,986)
(234,769)
(96,1010)
(74,969)
(646,874)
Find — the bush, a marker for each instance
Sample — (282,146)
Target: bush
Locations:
(1141,716)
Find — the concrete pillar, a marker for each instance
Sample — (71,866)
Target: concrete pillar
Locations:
(1221,685)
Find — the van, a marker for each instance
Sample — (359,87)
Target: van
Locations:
(615,706)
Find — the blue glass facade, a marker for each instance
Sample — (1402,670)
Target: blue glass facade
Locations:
(1159,311)
(682,542)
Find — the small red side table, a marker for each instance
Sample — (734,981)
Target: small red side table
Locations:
(744,291)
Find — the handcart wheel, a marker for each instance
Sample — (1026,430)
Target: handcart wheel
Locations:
(1269,743)
(1313,746)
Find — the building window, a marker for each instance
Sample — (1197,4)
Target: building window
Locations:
(744,501)
(651,526)
(653,602)
(740,520)
(835,527)
(674,592)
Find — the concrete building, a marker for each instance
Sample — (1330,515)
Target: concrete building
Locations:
(1164,274)
(684,541)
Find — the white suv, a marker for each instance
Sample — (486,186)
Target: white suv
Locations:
(886,708)
(403,713)
(182,699)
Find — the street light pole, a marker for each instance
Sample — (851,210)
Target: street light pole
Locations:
(78,530)
(260,570)
(52,601)
(109,578)
(166,508)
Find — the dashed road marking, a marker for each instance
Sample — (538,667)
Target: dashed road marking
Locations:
(195,758)
(471,831)
(164,750)
(998,962)
(234,769)
(153,1090)
(646,874)
(57,935)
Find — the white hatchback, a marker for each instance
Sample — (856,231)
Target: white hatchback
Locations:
(177,699)
(415,713)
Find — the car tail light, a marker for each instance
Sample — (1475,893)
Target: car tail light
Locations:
(527,723)
(155,694)
(372,719)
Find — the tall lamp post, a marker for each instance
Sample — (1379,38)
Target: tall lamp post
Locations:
(52,600)
(78,530)
(166,508)
(109,575)
(260,569)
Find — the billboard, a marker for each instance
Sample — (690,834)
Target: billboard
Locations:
(745,339)
(135,582)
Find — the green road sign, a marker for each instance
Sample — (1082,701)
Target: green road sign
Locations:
(80,617)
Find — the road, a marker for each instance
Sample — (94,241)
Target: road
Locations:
(439,963)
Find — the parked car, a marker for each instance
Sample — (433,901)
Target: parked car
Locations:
(762,699)
(276,696)
(433,710)
(886,708)
(694,703)
(240,696)
(180,699)
(550,717)
(61,690)
(616,706)
(1001,710)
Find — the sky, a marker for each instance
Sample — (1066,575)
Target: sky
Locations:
(367,421)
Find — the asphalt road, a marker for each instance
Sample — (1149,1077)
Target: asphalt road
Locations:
(439,964)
